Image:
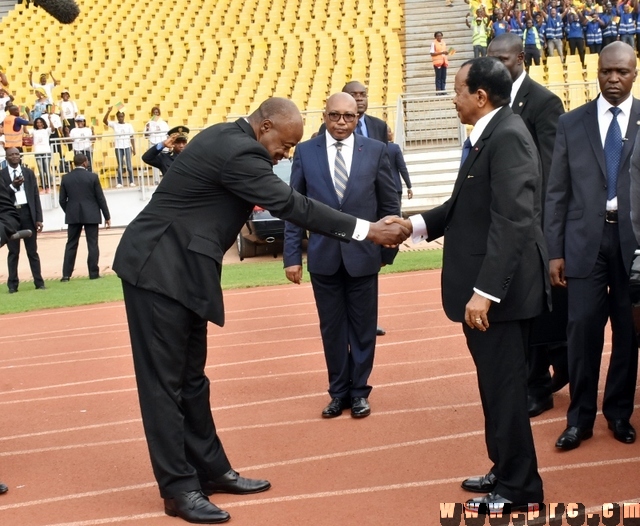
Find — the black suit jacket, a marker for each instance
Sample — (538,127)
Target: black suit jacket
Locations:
(577,192)
(9,218)
(398,166)
(540,109)
(158,159)
(491,224)
(376,128)
(30,187)
(82,198)
(176,244)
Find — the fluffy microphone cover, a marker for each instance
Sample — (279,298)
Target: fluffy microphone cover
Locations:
(64,11)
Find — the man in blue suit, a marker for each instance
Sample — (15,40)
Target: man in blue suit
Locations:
(351,173)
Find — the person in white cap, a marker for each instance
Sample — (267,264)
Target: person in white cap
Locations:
(83,139)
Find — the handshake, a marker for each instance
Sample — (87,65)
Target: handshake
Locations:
(390,231)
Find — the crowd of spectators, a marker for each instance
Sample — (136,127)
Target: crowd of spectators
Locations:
(555,26)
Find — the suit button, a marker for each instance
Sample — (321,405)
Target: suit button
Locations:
(446,228)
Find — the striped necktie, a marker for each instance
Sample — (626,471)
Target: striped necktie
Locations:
(340,175)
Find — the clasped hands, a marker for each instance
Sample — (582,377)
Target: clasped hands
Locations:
(390,231)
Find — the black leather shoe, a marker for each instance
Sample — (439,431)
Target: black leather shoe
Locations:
(64,279)
(380,331)
(13,291)
(623,431)
(335,408)
(484,484)
(360,407)
(95,277)
(572,436)
(232,482)
(193,506)
(41,287)
(537,406)
(494,503)
(3,488)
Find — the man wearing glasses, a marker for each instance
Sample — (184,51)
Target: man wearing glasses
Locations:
(350,173)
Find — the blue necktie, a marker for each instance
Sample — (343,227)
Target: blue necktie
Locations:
(359,127)
(466,148)
(613,153)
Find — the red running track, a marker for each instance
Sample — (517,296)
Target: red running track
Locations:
(72,449)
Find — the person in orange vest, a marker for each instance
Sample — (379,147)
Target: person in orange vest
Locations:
(439,54)
(13,124)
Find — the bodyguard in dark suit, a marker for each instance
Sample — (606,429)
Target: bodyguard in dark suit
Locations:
(494,275)
(9,224)
(82,199)
(170,262)
(349,173)
(591,245)
(22,186)
(539,108)
(398,166)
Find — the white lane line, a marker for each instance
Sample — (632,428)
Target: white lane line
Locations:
(286,498)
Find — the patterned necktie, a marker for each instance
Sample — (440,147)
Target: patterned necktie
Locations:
(340,175)
(613,153)
(359,127)
(466,148)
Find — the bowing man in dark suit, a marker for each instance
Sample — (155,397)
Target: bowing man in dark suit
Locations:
(494,274)
(349,173)
(82,199)
(398,167)
(22,185)
(170,262)
(9,224)
(591,245)
(540,109)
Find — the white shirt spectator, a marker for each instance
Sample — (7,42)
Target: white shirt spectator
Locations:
(68,110)
(123,133)
(156,131)
(81,139)
(41,141)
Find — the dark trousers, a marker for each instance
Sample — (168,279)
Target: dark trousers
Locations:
(576,44)
(499,356)
(479,51)
(441,78)
(548,345)
(595,48)
(31,245)
(169,344)
(602,295)
(348,312)
(71,249)
(531,53)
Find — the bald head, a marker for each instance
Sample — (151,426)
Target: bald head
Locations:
(508,49)
(616,72)
(278,126)
(341,99)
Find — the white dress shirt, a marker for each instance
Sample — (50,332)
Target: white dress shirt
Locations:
(21,195)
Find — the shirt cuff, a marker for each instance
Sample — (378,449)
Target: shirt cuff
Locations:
(419,228)
(361,230)
(485,295)
(160,146)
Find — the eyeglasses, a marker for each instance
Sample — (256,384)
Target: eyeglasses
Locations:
(348,117)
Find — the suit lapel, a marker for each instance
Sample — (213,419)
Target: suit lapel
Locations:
(323,165)
(593,132)
(465,171)
(356,159)
(632,129)
(520,102)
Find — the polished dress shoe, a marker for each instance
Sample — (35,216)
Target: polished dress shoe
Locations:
(232,482)
(537,406)
(193,506)
(572,436)
(380,331)
(3,488)
(13,291)
(41,287)
(360,407)
(64,279)
(484,484)
(95,277)
(623,431)
(494,503)
(335,407)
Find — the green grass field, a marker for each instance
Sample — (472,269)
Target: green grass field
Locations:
(82,291)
